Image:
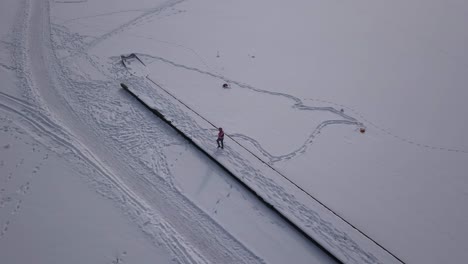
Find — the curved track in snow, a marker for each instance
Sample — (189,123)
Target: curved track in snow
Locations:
(296,103)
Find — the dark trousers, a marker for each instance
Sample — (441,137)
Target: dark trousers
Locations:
(222,143)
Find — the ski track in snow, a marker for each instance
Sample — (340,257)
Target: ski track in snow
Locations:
(157,207)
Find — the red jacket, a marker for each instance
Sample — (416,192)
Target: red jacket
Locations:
(221,134)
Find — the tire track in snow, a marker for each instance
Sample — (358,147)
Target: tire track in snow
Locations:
(48,127)
(161,212)
(45,127)
(42,128)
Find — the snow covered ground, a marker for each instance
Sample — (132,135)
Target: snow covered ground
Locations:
(121,188)
(305,77)
(49,215)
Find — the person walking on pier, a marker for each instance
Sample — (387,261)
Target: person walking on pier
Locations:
(220,138)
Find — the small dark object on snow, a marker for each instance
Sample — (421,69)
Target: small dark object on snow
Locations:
(342,110)
(124,86)
(123,58)
(362,130)
(225,85)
